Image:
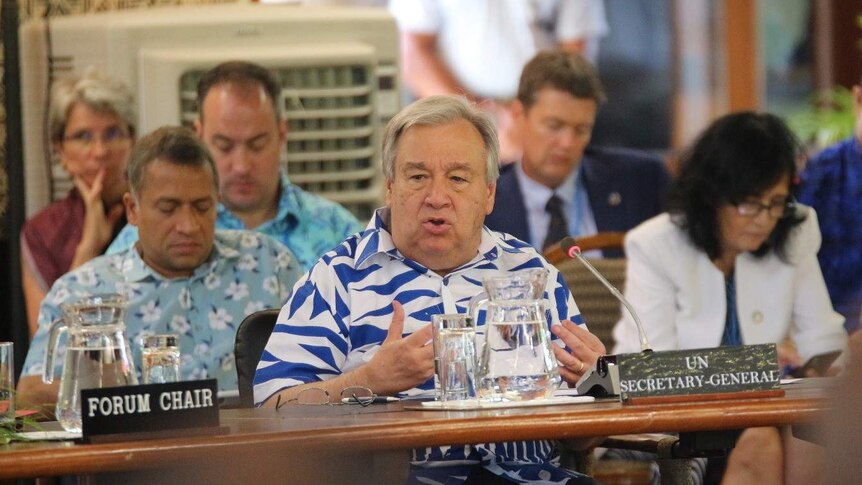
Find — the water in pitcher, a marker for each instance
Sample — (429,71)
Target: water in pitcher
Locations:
(94,367)
(517,361)
(97,353)
(518,365)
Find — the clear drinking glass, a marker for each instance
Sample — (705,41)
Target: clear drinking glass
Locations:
(454,356)
(7,382)
(160,356)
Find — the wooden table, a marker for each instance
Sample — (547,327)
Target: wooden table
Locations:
(300,442)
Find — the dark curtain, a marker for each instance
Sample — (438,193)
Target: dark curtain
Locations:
(13,321)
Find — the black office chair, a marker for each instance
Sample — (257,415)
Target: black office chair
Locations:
(251,338)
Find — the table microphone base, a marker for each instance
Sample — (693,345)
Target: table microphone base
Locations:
(601,381)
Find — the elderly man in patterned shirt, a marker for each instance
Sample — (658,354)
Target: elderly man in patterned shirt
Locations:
(361,316)
(240,122)
(182,276)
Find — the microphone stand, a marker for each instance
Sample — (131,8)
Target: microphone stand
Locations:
(603,379)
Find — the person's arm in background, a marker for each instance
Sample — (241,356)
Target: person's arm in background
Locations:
(98,224)
(579,26)
(33,296)
(577,46)
(31,391)
(38,269)
(423,70)
(817,327)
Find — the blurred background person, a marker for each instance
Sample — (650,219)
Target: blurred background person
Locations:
(734,262)
(240,122)
(92,129)
(832,184)
(559,187)
(477,48)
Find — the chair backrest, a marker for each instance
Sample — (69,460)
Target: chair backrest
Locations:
(251,338)
(603,240)
(598,306)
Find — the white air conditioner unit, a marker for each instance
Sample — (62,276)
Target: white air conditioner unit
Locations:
(338,68)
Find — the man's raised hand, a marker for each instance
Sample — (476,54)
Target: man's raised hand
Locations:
(401,363)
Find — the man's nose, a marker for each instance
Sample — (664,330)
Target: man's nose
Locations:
(438,192)
(187,222)
(566,137)
(240,160)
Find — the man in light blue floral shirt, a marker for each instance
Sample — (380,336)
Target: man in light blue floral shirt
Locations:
(182,276)
(241,124)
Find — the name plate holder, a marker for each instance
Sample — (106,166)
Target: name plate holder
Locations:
(150,411)
(699,375)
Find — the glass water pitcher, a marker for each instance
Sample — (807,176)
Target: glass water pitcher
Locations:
(97,352)
(516,362)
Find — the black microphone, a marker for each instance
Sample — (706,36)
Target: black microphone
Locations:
(603,379)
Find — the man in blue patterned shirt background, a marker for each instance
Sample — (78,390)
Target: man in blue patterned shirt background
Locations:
(832,185)
(182,276)
(361,316)
(241,124)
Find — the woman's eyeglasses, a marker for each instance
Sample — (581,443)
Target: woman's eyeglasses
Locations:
(315,396)
(82,141)
(777,209)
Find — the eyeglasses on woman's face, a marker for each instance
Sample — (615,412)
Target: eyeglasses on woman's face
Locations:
(83,141)
(776,208)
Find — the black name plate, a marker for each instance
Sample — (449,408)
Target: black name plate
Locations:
(149,408)
(700,371)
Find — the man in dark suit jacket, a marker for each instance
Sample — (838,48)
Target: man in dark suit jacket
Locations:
(597,189)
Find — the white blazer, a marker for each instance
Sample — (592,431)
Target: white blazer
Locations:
(679,294)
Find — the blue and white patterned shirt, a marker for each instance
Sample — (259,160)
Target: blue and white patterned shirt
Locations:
(339,313)
(246,272)
(307,224)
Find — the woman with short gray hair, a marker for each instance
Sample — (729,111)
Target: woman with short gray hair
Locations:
(92,128)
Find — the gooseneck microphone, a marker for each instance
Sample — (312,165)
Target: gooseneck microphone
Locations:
(573,251)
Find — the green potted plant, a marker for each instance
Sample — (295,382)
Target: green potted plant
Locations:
(828,121)
(830,118)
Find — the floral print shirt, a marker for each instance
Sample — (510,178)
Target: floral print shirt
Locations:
(246,272)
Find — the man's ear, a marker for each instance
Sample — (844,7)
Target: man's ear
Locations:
(282,131)
(131,209)
(492,192)
(388,197)
(519,112)
(199,128)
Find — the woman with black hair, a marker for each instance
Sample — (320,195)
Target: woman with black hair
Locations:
(732,262)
